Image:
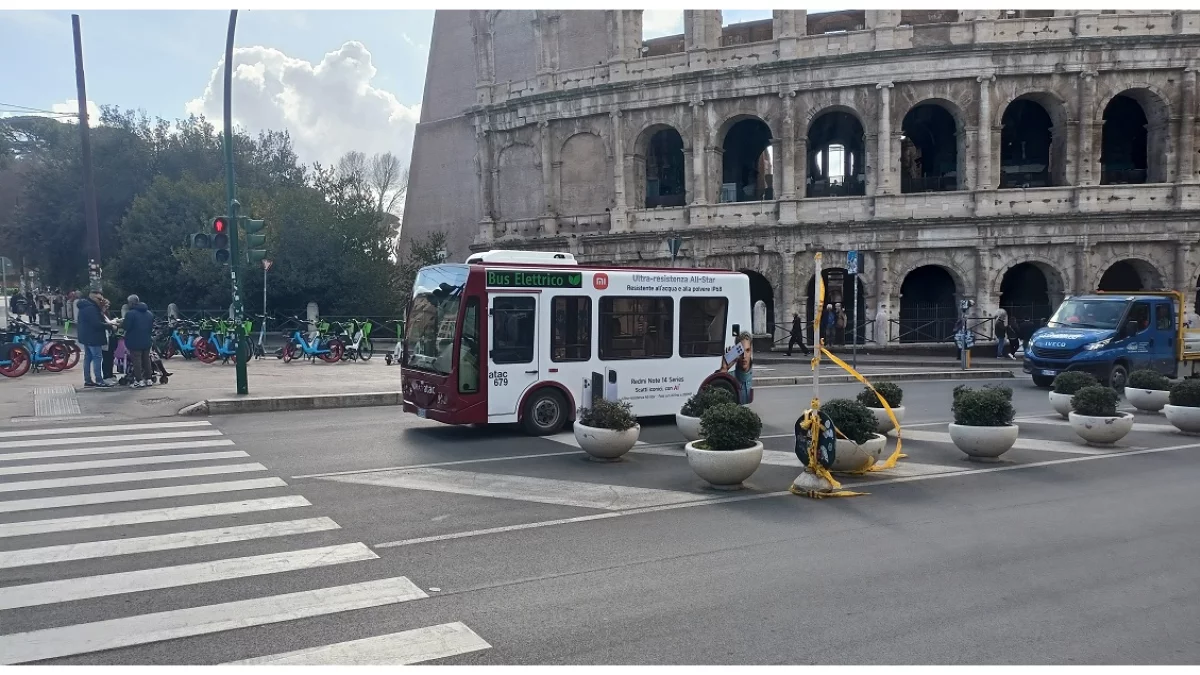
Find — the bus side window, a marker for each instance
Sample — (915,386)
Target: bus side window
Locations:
(571,332)
(468,352)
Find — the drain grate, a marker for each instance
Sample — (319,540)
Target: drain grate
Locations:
(57,401)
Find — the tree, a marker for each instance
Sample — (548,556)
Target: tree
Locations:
(421,253)
(388,182)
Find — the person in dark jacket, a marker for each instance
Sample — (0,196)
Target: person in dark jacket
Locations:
(797,337)
(139,324)
(93,335)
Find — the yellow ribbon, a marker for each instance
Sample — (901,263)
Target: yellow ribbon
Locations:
(896,454)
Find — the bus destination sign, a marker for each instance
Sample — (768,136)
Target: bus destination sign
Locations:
(533,279)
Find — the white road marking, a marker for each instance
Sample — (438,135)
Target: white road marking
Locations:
(87,440)
(123,461)
(68,590)
(161,542)
(395,649)
(882,480)
(1059,422)
(524,488)
(138,476)
(568,438)
(453,462)
(1066,447)
(31,527)
(58,431)
(138,495)
(147,628)
(113,450)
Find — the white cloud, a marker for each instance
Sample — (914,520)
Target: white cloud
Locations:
(71,110)
(661,22)
(329,108)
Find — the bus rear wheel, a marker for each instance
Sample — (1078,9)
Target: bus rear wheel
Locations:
(545,413)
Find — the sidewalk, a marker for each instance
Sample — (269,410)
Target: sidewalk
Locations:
(989,361)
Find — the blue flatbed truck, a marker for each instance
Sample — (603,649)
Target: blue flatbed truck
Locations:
(1111,334)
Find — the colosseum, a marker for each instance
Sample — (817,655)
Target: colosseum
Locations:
(1008,157)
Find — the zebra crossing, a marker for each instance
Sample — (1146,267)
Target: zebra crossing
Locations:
(96,522)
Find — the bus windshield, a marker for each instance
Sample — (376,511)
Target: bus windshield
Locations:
(1089,313)
(433,317)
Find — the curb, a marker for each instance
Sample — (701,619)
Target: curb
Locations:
(230,406)
(778,381)
(898,362)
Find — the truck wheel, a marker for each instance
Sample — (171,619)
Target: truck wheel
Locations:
(1118,376)
(545,413)
(1043,381)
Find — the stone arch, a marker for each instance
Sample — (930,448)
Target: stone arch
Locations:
(839,288)
(584,165)
(1125,272)
(828,129)
(1019,165)
(519,191)
(660,167)
(1029,289)
(746,158)
(933,147)
(1134,137)
(929,294)
(514,56)
(762,289)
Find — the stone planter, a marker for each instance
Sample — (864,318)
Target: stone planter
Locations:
(1101,430)
(1184,418)
(606,444)
(724,469)
(983,443)
(1147,400)
(689,427)
(883,423)
(851,456)
(1061,403)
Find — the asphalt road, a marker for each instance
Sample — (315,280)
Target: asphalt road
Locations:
(530,554)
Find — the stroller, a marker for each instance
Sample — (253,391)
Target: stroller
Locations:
(158,372)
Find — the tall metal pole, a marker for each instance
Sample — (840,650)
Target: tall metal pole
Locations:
(820,289)
(231,193)
(89,185)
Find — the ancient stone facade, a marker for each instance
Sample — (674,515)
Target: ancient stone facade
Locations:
(1005,157)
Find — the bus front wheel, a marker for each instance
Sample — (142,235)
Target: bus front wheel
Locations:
(545,413)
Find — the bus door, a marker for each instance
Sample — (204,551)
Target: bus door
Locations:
(512,356)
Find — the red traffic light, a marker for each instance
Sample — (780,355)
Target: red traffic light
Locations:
(218,225)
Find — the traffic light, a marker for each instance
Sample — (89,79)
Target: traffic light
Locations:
(256,239)
(199,240)
(220,241)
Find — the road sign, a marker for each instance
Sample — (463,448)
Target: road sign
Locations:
(852,262)
(266,264)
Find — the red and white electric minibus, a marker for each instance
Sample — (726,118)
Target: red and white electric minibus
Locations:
(529,337)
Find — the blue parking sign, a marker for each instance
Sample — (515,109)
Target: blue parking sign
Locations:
(852,262)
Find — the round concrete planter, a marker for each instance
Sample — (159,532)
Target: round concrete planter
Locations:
(1184,418)
(1061,403)
(1147,400)
(688,426)
(607,444)
(983,443)
(1101,430)
(724,469)
(883,423)
(851,456)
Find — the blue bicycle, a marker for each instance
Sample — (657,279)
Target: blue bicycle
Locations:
(326,347)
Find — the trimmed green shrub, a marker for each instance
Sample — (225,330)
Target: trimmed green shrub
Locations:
(708,397)
(1072,381)
(890,391)
(851,418)
(1186,394)
(1096,401)
(1148,379)
(604,414)
(984,407)
(730,426)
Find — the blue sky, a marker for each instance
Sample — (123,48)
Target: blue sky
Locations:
(162,61)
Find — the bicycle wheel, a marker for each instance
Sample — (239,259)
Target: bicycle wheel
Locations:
(366,349)
(72,356)
(18,362)
(289,352)
(59,355)
(336,349)
(205,351)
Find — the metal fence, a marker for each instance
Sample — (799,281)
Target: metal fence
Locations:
(383,328)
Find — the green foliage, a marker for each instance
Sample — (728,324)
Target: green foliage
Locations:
(1003,390)
(605,414)
(1148,379)
(1186,394)
(421,253)
(890,391)
(730,427)
(1095,401)
(851,418)
(983,407)
(708,397)
(1072,381)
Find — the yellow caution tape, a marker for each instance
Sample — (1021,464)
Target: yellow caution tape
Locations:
(896,454)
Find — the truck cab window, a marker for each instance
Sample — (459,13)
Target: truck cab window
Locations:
(1162,317)
(1140,312)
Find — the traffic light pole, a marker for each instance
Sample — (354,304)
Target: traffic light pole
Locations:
(231,193)
(89,185)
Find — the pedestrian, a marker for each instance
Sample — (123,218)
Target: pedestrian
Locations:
(797,336)
(828,321)
(1013,340)
(58,308)
(1025,332)
(93,335)
(114,339)
(840,322)
(139,324)
(1000,332)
